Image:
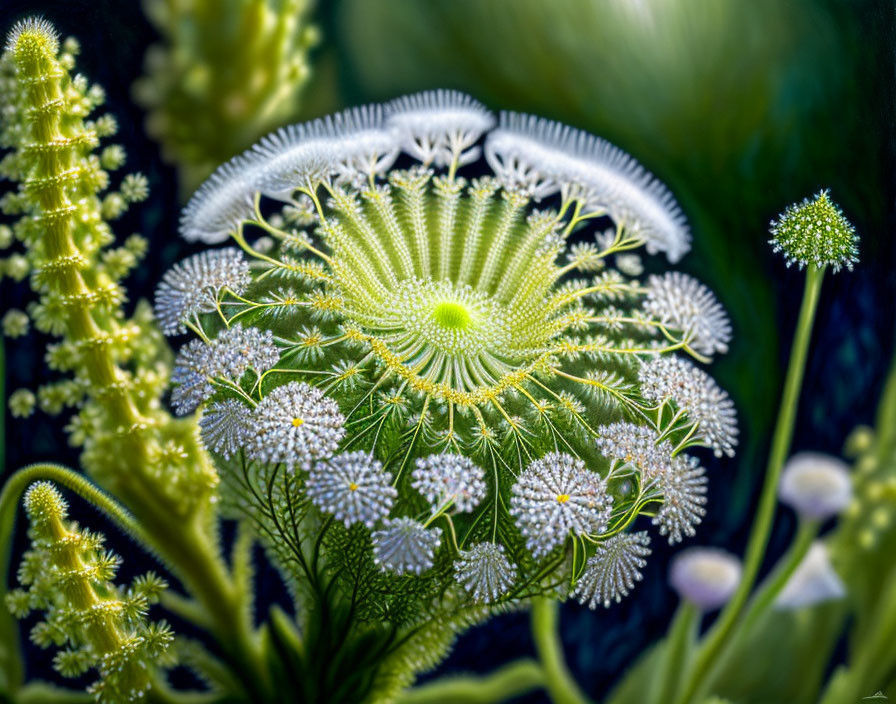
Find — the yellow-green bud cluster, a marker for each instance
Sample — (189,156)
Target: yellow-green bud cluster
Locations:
(115,366)
(68,576)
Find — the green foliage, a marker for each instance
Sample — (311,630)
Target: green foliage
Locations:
(227,73)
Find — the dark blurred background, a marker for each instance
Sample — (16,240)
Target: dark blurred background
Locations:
(740,107)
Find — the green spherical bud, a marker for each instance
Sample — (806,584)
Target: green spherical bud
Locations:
(16,267)
(6,236)
(815,233)
(21,403)
(15,323)
(43,502)
(114,206)
(112,157)
(135,188)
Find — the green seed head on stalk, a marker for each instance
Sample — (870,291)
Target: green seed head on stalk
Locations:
(815,232)
(98,626)
(113,367)
(460,390)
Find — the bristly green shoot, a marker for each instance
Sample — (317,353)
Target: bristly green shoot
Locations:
(815,233)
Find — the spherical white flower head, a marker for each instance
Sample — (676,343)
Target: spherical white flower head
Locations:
(295,424)
(439,126)
(353,487)
(613,570)
(557,496)
(405,546)
(543,157)
(706,577)
(683,486)
(351,144)
(635,446)
(228,356)
(224,427)
(222,202)
(191,386)
(669,377)
(681,302)
(238,349)
(485,572)
(193,286)
(447,479)
(815,232)
(815,485)
(813,582)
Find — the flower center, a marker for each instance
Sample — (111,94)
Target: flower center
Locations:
(352,487)
(452,316)
(562,498)
(296,422)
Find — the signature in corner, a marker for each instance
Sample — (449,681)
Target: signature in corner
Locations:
(878,696)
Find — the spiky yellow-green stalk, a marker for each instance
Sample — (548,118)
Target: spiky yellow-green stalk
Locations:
(67,575)
(116,366)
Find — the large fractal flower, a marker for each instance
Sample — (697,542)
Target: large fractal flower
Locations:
(477,384)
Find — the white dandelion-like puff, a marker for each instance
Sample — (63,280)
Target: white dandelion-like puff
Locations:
(447,479)
(193,285)
(353,487)
(405,546)
(544,157)
(815,485)
(814,581)
(485,572)
(557,496)
(614,569)
(295,424)
(706,577)
(681,302)
(224,427)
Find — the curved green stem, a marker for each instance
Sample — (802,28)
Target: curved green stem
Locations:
(679,644)
(721,631)
(511,680)
(559,683)
(767,594)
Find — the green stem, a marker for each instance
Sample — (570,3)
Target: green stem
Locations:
(512,680)
(679,644)
(3,409)
(559,683)
(761,530)
(767,594)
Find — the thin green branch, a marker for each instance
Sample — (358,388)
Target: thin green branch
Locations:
(512,680)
